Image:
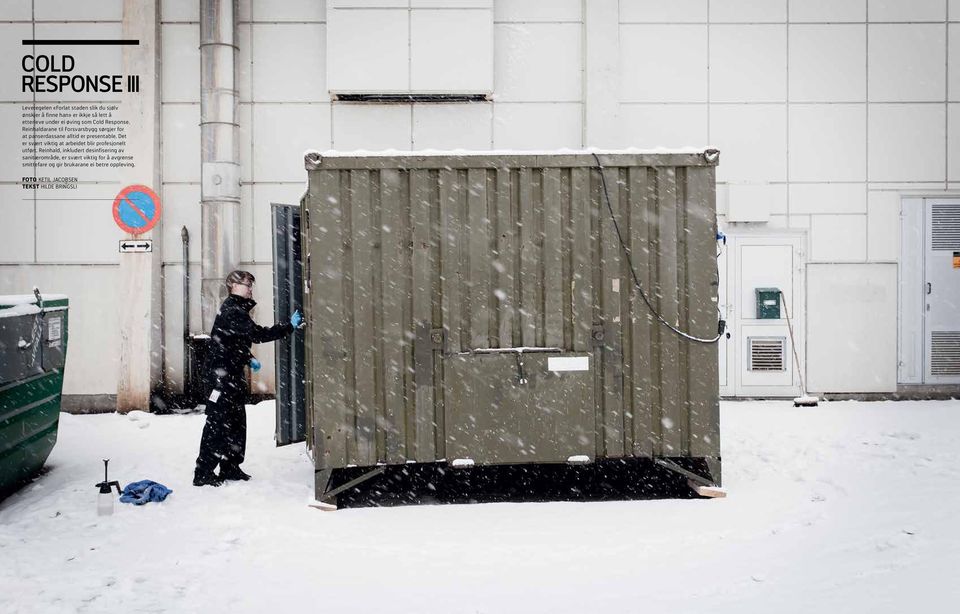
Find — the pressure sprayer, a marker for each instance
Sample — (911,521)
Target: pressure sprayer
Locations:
(105,498)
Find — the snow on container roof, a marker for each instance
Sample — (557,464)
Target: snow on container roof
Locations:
(503,158)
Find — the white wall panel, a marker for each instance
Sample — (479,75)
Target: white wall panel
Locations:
(828,198)
(263,195)
(953,142)
(245,138)
(907,10)
(828,142)
(838,238)
(954,10)
(524,10)
(78,230)
(537,126)
(371,127)
(281,133)
(883,226)
(244,62)
(181,142)
(748,63)
(852,319)
(179,10)
(661,125)
(748,11)
(94,349)
(246,222)
(906,62)
(181,207)
(90,59)
(451,50)
(289,10)
(828,63)
(17,10)
(368,50)
(647,76)
(452,4)
(17,230)
(180,64)
(953,62)
(11,160)
(11,54)
(756,202)
(289,62)
(752,140)
(71,10)
(906,142)
(453,126)
(828,10)
(538,62)
(663,11)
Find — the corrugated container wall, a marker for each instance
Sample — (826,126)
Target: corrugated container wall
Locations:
(481,307)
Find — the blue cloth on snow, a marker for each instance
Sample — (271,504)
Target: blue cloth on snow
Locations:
(144,491)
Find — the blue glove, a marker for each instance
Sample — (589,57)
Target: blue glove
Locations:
(255,364)
(296,319)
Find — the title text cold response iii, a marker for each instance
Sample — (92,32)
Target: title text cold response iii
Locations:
(53,77)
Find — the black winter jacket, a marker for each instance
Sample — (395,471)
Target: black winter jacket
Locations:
(233,332)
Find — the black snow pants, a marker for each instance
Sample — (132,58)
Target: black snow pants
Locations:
(224,438)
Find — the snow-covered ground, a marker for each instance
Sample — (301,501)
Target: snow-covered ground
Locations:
(849,507)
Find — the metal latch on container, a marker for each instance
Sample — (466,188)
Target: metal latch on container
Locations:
(597,335)
(437,336)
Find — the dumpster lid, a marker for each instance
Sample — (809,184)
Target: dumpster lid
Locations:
(26,304)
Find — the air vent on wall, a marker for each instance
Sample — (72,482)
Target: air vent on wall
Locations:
(945,353)
(767,353)
(946,226)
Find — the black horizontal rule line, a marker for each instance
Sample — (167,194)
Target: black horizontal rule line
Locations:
(85,41)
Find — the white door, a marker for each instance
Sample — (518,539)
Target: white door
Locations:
(942,292)
(758,359)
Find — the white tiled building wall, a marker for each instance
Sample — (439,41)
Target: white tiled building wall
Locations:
(825,112)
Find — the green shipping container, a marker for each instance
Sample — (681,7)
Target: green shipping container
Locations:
(33,347)
(479,309)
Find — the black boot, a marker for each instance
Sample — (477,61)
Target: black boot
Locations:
(206,479)
(233,473)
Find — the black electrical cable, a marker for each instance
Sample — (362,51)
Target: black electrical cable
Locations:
(721,325)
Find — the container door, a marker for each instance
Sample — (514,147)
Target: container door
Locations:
(942,292)
(288,296)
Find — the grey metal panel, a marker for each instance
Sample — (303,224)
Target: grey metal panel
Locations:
(288,296)
(420,261)
(496,420)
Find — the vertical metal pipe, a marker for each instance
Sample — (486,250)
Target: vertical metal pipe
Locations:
(219,151)
(185,239)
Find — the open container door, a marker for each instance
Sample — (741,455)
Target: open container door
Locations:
(288,296)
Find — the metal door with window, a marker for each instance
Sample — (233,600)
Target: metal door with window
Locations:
(757,360)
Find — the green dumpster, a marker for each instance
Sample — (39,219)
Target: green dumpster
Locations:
(33,348)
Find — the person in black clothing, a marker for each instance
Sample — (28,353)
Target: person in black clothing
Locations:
(224,438)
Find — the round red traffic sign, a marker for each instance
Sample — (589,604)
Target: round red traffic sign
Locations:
(136,209)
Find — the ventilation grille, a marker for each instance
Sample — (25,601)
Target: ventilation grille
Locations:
(945,353)
(946,226)
(767,353)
